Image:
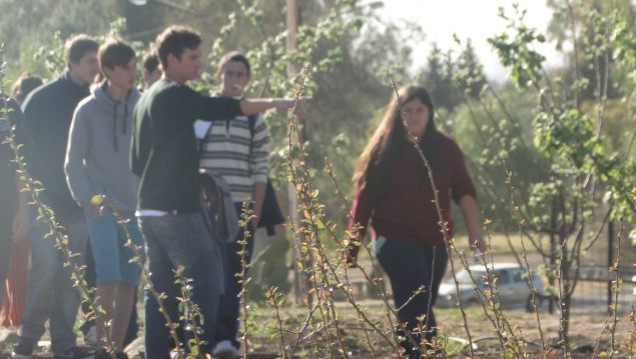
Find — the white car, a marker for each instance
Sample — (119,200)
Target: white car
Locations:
(512,287)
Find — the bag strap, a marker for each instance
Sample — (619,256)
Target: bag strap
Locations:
(251,121)
(204,178)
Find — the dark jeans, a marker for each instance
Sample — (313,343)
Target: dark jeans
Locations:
(172,241)
(229,308)
(410,267)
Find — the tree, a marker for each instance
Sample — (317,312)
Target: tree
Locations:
(30,29)
(584,33)
(582,170)
(438,79)
(469,76)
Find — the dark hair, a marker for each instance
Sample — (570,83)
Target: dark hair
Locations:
(173,40)
(24,85)
(389,140)
(234,56)
(150,61)
(77,46)
(114,53)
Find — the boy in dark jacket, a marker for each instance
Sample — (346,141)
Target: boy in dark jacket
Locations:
(48,112)
(165,157)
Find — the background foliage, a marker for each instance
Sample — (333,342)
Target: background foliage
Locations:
(349,57)
(551,150)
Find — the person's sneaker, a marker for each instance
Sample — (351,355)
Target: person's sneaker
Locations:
(74,353)
(24,349)
(225,350)
(90,337)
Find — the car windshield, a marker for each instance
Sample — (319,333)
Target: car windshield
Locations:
(463,277)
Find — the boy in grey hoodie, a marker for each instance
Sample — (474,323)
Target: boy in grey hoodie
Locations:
(97,163)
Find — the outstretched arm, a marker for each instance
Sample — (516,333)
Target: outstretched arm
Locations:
(252,106)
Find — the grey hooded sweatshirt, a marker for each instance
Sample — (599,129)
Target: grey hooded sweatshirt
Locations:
(98,150)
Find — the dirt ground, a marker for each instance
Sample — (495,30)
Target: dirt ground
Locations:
(587,334)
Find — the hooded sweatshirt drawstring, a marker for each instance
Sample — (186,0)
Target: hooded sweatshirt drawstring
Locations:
(115,125)
(125,115)
(123,130)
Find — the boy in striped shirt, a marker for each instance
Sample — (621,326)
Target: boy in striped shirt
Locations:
(238,150)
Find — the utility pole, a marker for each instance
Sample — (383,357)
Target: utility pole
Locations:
(292,30)
(292,45)
(292,204)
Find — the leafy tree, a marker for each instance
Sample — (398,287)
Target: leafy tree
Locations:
(450,78)
(28,28)
(583,36)
(581,168)
(498,143)
(469,76)
(438,78)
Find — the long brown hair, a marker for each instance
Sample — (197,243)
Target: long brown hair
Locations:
(389,140)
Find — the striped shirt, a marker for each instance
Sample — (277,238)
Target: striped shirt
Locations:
(229,149)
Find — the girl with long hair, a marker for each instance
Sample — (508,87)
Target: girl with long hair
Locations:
(395,192)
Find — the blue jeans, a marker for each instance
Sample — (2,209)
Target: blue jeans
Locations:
(229,308)
(409,267)
(171,241)
(112,257)
(50,293)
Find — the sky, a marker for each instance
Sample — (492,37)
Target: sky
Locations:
(474,19)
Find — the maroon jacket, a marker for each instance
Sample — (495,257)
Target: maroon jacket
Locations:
(407,211)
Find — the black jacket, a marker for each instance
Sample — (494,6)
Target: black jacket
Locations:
(48,112)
